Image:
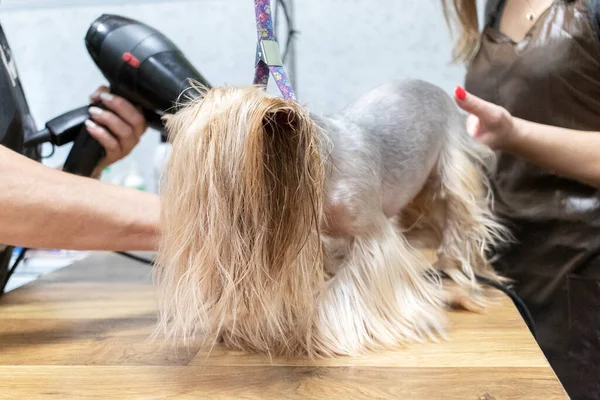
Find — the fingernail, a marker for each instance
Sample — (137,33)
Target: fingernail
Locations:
(90,124)
(96,110)
(460,93)
(94,95)
(106,96)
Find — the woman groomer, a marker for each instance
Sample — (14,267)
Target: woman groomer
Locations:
(533,92)
(45,208)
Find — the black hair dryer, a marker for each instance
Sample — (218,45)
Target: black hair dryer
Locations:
(141,65)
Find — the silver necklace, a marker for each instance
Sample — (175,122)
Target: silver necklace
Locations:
(530,15)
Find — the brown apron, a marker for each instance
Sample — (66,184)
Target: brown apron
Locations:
(552,77)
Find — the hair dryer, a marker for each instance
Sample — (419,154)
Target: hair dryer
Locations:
(141,65)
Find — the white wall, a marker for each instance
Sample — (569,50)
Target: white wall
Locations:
(344,48)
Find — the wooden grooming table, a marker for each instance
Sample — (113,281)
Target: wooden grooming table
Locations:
(82,333)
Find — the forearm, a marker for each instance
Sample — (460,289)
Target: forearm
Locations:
(570,153)
(44,208)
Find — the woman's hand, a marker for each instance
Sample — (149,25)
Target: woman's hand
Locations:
(568,152)
(492,125)
(118,129)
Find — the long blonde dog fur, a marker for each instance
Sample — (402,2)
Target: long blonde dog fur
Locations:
(294,234)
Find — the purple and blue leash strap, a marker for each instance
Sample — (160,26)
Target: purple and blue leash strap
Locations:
(268,58)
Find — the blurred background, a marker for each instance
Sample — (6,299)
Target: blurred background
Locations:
(343,48)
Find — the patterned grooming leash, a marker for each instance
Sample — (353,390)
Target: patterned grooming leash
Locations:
(268,57)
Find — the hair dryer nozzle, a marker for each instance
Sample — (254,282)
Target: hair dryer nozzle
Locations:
(140,63)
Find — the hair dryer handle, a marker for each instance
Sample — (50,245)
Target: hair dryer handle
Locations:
(85,155)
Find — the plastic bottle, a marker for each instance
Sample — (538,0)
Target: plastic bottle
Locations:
(110,176)
(161,155)
(133,179)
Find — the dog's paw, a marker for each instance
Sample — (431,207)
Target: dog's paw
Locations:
(467,298)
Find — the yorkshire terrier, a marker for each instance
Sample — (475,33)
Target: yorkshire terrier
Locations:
(294,234)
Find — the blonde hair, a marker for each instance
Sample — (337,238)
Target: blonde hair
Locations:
(240,256)
(462,15)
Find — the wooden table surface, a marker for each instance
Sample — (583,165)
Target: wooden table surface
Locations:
(82,333)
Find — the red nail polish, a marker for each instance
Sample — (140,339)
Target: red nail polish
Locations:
(460,93)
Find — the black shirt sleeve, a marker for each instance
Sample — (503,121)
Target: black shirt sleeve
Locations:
(16,121)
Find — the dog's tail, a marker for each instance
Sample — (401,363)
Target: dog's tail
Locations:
(240,256)
(472,228)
